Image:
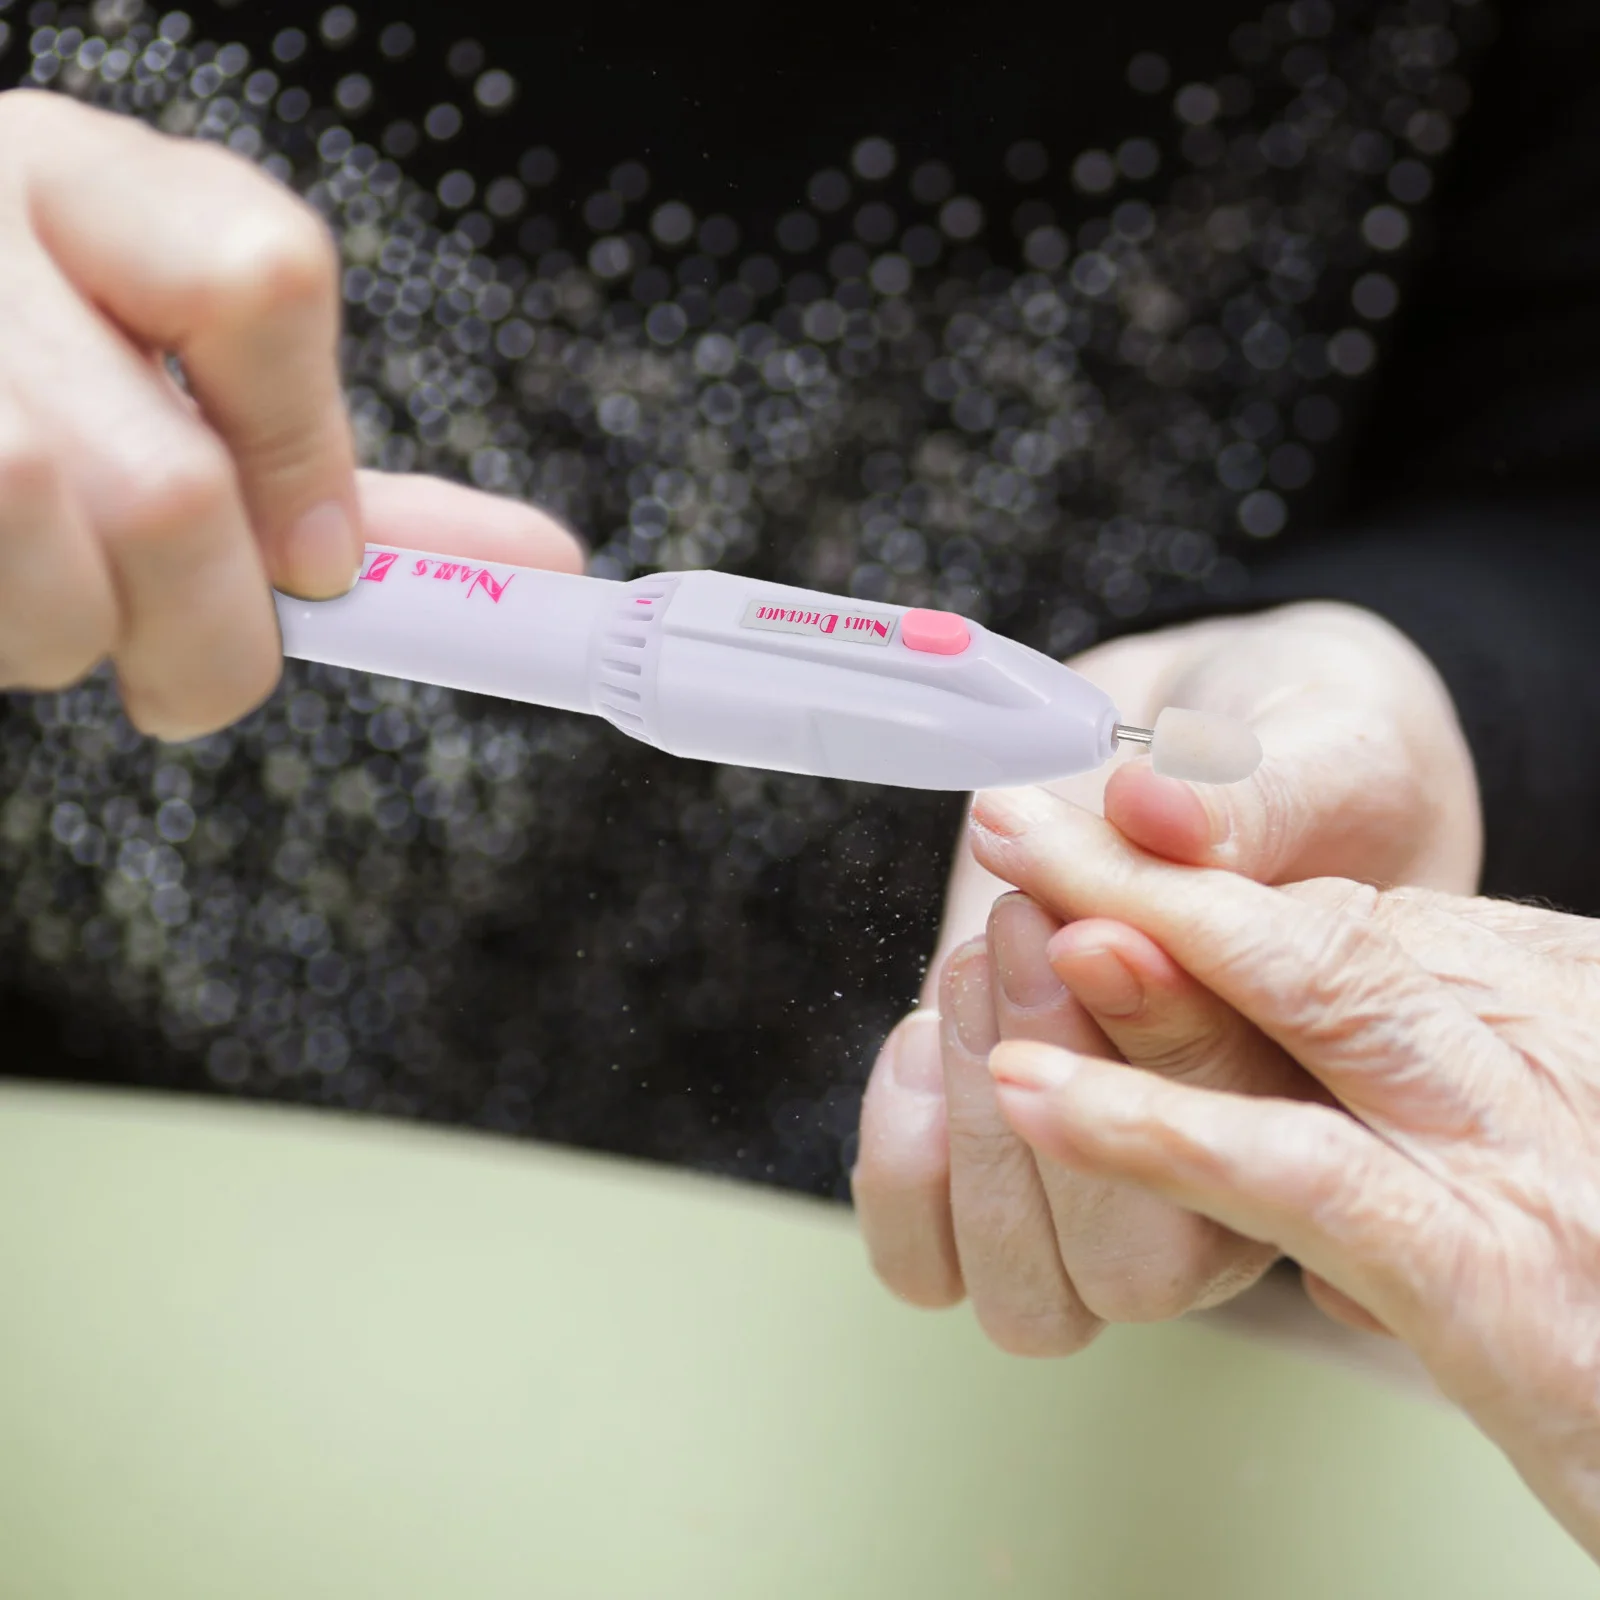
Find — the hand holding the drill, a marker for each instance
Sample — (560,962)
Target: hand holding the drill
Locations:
(147,524)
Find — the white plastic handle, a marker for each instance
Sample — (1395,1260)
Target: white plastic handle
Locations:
(722,668)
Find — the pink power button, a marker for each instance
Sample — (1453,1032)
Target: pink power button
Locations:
(935,633)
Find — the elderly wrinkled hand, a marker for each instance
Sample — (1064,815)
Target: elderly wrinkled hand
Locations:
(1435,1162)
(1366,776)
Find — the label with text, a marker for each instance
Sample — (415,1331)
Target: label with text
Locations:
(858,627)
(474,579)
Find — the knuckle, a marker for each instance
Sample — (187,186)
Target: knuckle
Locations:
(1139,1299)
(1038,1332)
(1325,1160)
(1335,895)
(194,485)
(276,258)
(1407,912)
(182,683)
(67,654)
(915,1281)
(29,476)
(1237,1264)
(984,1158)
(1148,1266)
(1201,1265)
(252,679)
(260,681)
(198,708)
(929,1294)
(910,1255)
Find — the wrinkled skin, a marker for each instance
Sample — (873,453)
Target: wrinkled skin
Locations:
(1365,776)
(146,520)
(1430,1153)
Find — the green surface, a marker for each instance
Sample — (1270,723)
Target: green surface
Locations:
(253,1353)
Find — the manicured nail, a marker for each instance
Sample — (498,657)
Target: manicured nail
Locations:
(916,1064)
(1019,940)
(1103,981)
(972,1011)
(1035,1068)
(321,553)
(1013,811)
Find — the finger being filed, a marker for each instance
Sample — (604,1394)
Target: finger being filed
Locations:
(1324,799)
(1354,771)
(901,1182)
(414,512)
(1132,1256)
(242,282)
(58,614)
(1005,1232)
(1305,1179)
(1340,996)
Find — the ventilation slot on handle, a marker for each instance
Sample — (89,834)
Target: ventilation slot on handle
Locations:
(628,634)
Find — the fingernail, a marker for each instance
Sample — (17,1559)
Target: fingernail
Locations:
(916,1064)
(1020,945)
(321,554)
(973,1014)
(1035,1068)
(1177,796)
(1103,981)
(1013,811)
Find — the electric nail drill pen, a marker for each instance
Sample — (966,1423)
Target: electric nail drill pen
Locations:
(735,670)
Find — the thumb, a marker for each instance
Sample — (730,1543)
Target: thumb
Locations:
(1365,772)
(1334,796)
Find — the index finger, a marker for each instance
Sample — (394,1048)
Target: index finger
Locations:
(413,512)
(1329,986)
(240,281)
